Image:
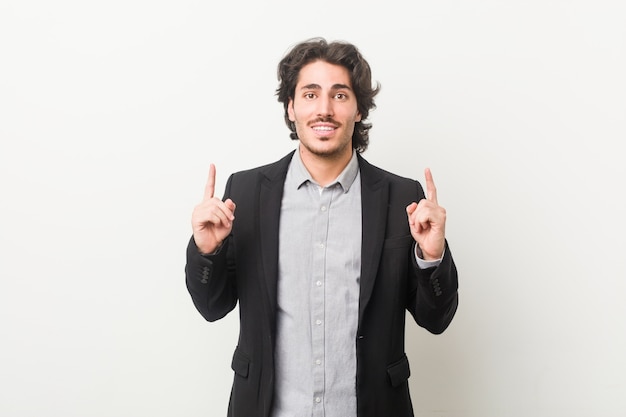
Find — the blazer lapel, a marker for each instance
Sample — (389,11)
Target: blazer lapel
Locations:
(271,184)
(374,199)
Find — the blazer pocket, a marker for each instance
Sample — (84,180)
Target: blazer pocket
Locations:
(399,372)
(398,242)
(241,363)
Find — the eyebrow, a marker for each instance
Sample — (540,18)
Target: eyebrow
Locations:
(314,86)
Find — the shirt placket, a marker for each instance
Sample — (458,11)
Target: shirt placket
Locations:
(318,299)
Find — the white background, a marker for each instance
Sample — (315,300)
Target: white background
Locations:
(110,113)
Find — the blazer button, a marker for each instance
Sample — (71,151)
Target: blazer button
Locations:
(205,274)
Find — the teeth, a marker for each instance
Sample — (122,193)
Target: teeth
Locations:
(327,128)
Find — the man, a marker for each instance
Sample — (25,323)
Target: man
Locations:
(324,254)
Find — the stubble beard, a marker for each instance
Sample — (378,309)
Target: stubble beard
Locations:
(332,153)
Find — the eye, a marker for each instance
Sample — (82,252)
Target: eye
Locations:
(309,96)
(341,96)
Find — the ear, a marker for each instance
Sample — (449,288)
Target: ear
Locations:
(358,116)
(290,111)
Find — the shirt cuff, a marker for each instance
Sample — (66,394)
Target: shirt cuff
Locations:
(423,264)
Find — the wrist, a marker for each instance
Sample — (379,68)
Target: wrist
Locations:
(427,256)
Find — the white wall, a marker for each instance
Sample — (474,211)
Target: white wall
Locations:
(110,113)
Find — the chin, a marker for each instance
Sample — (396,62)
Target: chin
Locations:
(327,147)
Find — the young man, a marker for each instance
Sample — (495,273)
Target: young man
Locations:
(324,254)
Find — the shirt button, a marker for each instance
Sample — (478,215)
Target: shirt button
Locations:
(323,208)
(318,400)
(318,362)
(318,322)
(321,246)
(318,283)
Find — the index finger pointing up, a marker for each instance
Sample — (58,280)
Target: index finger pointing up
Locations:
(431,190)
(209,189)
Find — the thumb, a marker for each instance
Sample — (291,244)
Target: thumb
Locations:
(410,209)
(231,205)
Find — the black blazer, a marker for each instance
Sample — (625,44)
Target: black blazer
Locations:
(245,270)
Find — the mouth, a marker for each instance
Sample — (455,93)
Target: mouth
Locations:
(324,129)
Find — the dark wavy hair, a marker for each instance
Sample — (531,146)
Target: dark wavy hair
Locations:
(336,53)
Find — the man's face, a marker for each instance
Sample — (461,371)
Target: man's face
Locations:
(324,110)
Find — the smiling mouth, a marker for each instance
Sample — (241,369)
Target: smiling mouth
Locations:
(323,128)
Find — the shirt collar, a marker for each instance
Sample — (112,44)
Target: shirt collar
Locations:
(301,175)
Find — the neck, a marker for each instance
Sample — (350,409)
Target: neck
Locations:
(324,169)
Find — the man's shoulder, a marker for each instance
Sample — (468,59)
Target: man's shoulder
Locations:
(376,173)
(276,168)
(401,189)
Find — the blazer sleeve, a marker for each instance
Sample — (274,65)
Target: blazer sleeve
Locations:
(433,299)
(211,279)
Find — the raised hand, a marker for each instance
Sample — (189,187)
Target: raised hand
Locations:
(427,221)
(212,219)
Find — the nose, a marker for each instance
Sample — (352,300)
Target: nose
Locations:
(325,107)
